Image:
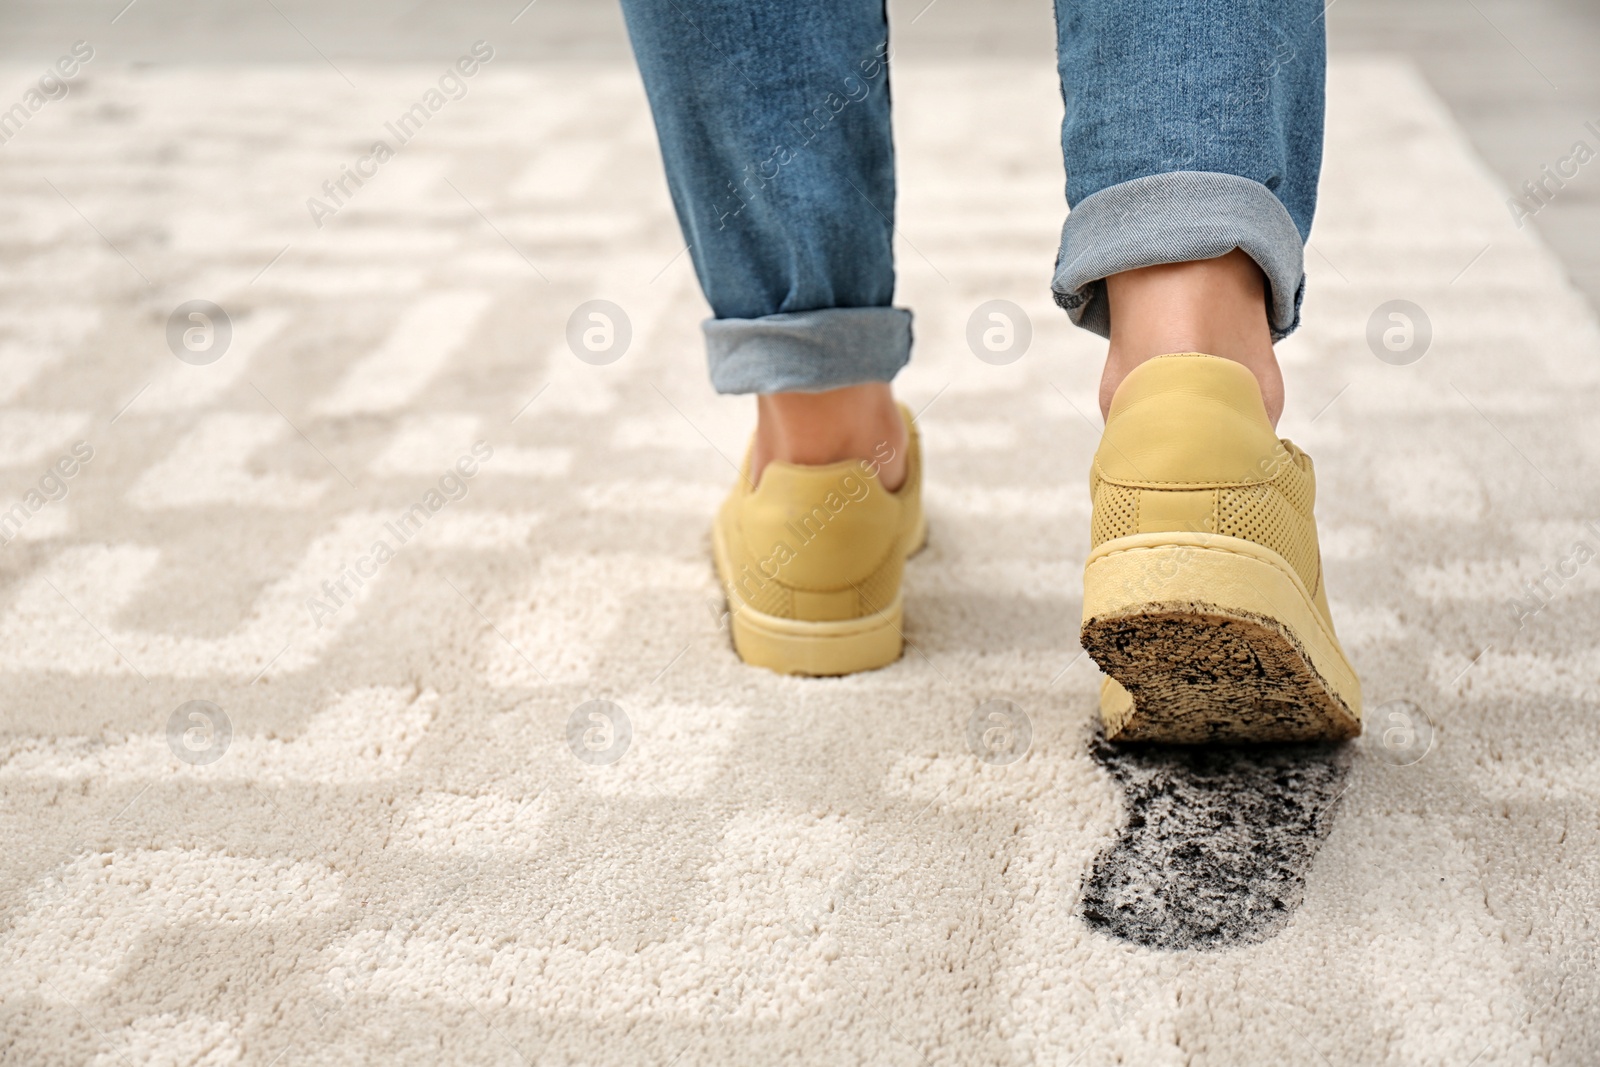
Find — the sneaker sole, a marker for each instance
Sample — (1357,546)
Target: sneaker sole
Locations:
(1212,639)
(823,649)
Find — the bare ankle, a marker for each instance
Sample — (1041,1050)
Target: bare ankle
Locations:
(812,429)
(1216,306)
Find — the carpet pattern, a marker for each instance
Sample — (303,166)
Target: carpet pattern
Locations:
(367,695)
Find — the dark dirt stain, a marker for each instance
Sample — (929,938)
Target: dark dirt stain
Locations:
(1217,843)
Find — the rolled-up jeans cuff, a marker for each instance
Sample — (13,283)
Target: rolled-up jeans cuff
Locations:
(1175,218)
(808,351)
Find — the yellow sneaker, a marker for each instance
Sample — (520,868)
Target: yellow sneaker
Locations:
(811,560)
(1202,594)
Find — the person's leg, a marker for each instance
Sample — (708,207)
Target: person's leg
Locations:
(813,429)
(1192,141)
(1216,306)
(773,118)
(1192,129)
(773,121)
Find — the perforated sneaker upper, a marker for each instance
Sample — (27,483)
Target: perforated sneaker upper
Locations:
(1275,513)
(1188,447)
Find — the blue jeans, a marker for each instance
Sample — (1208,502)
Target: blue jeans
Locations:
(1191,128)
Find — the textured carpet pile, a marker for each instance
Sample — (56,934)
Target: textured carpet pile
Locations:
(499,792)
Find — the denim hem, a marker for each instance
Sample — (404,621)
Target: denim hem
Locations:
(1176,218)
(808,351)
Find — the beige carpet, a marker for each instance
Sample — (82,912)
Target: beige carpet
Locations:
(400,832)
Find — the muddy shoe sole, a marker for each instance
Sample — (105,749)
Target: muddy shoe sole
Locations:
(1212,639)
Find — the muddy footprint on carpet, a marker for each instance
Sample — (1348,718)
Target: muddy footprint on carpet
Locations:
(1216,843)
